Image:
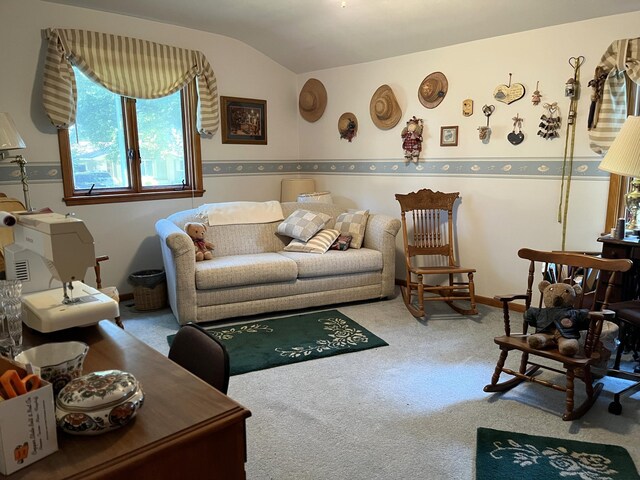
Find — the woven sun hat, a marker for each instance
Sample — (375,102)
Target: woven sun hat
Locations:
(344,121)
(312,100)
(384,109)
(433,89)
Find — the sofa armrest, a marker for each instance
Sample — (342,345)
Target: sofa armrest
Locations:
(180,269)
(380,235)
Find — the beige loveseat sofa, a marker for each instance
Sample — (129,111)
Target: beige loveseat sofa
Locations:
(251,274)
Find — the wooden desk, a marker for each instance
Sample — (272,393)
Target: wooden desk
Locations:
(629,283)
(185,429)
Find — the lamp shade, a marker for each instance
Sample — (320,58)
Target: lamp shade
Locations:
(10,139)
(623,157)
(292,187)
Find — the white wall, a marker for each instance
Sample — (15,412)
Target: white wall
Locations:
(498,214)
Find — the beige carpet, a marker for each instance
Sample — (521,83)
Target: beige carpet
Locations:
(406,411)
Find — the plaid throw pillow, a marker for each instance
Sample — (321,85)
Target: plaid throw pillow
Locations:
(319,243)
(303,224)
(353,223)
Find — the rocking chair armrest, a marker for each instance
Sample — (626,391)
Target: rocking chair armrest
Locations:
(510,297)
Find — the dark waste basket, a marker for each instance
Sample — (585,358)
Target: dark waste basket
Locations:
(149,289)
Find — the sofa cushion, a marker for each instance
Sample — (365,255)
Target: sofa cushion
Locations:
(303,224)
(354,223)
(319,243)
(336,262)
(236,270)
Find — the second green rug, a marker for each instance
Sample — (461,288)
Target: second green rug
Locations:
(512,456)
(271,343)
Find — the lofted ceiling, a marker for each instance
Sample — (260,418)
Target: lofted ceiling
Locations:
(309,35)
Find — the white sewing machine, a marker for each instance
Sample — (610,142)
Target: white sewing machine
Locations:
(51,249)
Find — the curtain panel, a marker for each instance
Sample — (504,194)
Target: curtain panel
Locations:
(125,66)
(609,106)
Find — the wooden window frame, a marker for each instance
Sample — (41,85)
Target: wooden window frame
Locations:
(193,186)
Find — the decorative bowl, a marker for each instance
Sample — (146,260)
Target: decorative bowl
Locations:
(98,402)
(57,363)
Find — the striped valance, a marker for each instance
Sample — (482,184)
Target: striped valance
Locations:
(126,66)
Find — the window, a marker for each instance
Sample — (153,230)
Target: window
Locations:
(122,149)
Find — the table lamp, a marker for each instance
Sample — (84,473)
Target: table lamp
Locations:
(623,158)
(10,139)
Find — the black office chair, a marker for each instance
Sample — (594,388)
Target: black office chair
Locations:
(202,354)
(628,317)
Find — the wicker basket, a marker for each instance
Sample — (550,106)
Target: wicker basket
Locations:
(149,289)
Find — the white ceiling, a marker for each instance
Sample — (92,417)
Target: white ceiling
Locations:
(309,35)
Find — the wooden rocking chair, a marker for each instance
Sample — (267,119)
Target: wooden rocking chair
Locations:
(597,277)
(427,229)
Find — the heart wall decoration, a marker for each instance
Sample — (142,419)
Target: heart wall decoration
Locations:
(509,93)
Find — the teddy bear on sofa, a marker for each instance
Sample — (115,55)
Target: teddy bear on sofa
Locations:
(201,247)
(558,323)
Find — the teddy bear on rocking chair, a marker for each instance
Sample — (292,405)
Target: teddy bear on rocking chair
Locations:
(558,323)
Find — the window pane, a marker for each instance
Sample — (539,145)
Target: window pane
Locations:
(161,141)
(97,138)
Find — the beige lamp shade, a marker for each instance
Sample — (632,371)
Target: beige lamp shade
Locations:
(290,188)
(623,157)
(318,197)
(10,139)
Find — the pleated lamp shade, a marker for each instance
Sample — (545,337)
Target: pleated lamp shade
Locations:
(10,139)
(623,157)
(319,197)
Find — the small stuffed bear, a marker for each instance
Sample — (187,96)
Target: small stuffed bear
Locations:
(201,247)
(558,323)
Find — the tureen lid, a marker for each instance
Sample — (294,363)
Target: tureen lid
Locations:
(97,390)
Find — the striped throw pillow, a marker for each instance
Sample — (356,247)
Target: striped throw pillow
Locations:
(319,243)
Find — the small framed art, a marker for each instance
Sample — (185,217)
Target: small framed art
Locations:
(244,120)
(449,136)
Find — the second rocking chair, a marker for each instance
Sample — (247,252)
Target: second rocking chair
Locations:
(427,229)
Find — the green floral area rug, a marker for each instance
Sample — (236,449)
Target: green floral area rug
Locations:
(513,456)
(281,341)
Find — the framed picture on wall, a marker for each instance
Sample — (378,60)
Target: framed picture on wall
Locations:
(244,120)
(449,136)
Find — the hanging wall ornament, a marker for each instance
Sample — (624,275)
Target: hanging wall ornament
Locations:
(348,126)
(535,98)
(516,137)
(485,132)
(509,93)
(412,139)
(467,107)
(572,90)
(549,122)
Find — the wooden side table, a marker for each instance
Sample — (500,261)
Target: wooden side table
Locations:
(629,282)
(185,429)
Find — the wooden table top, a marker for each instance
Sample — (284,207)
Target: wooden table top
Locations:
(176,404)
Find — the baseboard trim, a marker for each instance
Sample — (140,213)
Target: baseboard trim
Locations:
(125,297)
(492,302)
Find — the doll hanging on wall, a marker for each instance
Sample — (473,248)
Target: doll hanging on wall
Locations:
(412,139)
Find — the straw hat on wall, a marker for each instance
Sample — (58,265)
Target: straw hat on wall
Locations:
(433,89)
(384,109)
(312,100)
(348,126)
